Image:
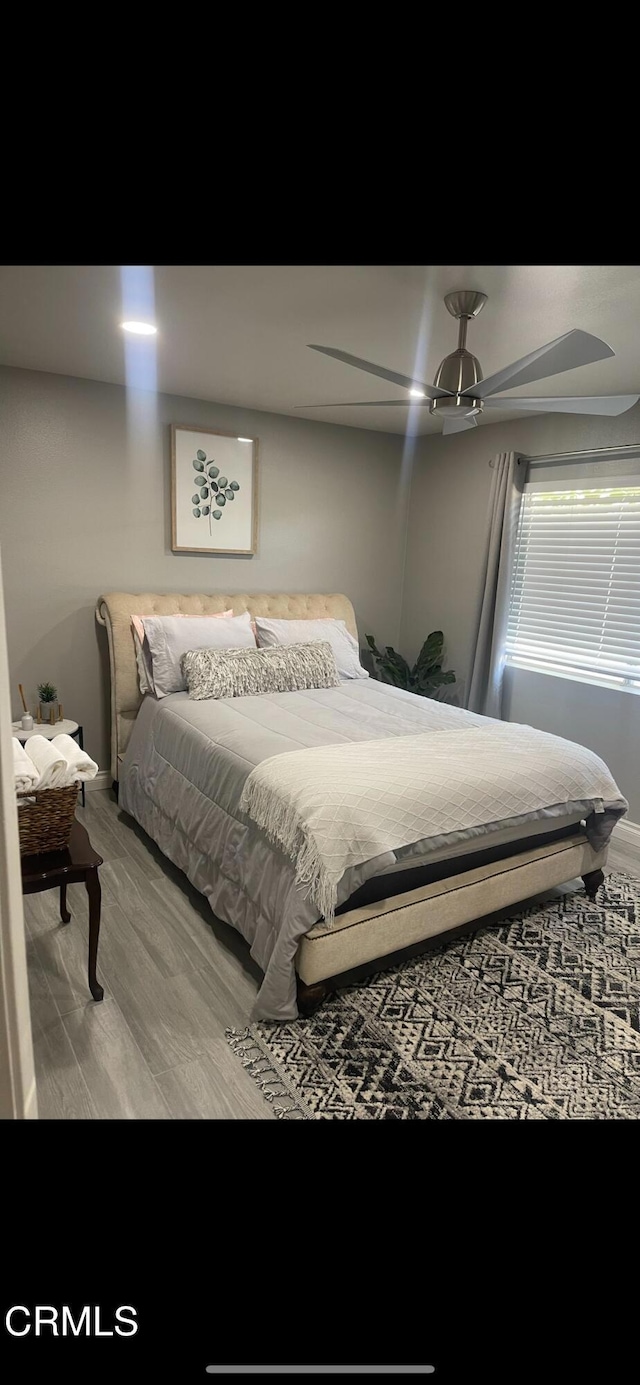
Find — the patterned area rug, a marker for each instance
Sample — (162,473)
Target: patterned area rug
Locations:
(536,1018)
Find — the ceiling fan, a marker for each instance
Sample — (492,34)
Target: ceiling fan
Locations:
(459,394)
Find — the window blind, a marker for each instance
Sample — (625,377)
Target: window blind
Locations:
(575,593)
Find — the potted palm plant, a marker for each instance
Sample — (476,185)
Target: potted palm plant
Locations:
(427,675)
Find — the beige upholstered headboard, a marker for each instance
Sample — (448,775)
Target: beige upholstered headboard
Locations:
(116,608)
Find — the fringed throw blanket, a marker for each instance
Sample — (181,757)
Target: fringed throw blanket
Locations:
(335,806)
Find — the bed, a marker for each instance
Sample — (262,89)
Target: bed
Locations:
(179,766)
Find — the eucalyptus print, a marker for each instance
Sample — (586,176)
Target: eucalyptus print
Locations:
(214,491)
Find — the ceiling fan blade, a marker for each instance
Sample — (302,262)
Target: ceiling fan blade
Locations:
(431,391)
(366,404)
(459,425)
(611,404)
(565,353)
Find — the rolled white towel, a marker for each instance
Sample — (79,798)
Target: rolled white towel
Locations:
(80,765)
(24,771)
(50,763)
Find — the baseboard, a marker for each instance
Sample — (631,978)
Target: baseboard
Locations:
(102,781)
(627,834)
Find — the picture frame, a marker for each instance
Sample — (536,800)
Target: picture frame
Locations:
(214,478)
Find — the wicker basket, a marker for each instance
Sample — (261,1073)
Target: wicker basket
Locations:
(45,819)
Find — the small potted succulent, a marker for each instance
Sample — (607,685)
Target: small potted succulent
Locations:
(48,701)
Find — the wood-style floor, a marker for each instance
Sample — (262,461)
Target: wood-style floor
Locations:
(174,979)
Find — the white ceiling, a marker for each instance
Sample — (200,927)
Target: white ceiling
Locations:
(238,334)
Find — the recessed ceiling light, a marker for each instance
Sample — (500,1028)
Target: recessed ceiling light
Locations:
(245,439)
(141,329)
(417,394)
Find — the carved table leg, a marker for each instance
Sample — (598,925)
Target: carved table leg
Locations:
(592,882)
(64,912)
(94,892)
(310,998)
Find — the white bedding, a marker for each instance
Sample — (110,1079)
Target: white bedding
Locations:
(334,807)
(183,775)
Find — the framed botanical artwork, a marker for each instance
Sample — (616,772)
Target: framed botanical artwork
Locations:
(214,492)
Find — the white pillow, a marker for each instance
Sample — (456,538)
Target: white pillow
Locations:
(343,644)
(141,645)
(143,660)
(169,637)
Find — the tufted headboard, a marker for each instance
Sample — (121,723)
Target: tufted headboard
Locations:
(116,608)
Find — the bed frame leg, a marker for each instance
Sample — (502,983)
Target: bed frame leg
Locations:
(592,882)
(310,998)
(115,786)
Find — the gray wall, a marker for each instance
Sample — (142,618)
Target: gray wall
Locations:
(602,718)
(84,508)
(445,545)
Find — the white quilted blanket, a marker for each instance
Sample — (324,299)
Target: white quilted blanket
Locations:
(334,806)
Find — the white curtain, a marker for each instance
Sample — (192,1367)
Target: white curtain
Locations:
(487,664)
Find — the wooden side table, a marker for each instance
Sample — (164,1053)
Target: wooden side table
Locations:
(78,862)
(46,729)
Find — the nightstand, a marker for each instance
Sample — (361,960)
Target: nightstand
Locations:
(59,728)
(50,870)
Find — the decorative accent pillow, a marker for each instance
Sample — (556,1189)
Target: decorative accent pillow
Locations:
(141,645)
(248,672)
(345,647)
(169,637)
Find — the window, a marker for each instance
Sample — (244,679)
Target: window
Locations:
(575,595)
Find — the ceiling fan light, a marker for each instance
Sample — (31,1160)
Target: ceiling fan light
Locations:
(457,405)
